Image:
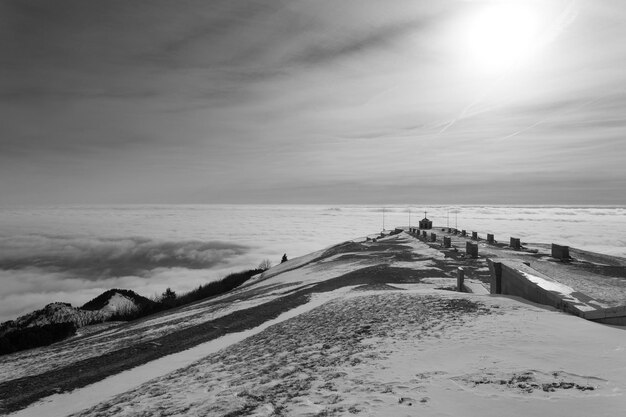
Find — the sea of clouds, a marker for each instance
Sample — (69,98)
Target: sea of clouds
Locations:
(72,254)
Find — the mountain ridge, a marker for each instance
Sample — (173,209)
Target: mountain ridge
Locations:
(97,310)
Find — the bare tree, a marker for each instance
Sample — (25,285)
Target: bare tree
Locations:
(265,264)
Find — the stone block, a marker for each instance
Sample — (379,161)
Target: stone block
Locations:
(447,242)
(471,249)
(433,237)
(460,277)
(474,235)
(560,252)
(515,243)
(490,238)
(463,233)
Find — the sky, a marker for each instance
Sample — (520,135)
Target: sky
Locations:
(302,101)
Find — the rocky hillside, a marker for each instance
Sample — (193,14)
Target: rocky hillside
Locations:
(55,313)
(97,310)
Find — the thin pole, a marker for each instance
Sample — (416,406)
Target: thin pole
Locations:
(383,219)
(409,217)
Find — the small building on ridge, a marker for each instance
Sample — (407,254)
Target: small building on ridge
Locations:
(425,223)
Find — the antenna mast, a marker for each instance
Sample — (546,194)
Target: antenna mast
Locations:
(383,219)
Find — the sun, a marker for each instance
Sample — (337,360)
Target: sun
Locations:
(502,36)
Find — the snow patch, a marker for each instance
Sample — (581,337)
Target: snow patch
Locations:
(548,285)
(119,303)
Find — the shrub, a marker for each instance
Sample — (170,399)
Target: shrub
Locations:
(265,264)
(35,336)
(169,299)
(215,288)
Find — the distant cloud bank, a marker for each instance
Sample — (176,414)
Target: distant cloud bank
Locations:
(97,258)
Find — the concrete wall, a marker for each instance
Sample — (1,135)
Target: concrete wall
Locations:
(612,315)
(495,283)
(507,278)
(614,321)
(515,283)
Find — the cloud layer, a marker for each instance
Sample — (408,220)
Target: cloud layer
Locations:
(101,258)
(38,269)
(72,254)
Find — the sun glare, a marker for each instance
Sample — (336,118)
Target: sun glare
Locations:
(502,36)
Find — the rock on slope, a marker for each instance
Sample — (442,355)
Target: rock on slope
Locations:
(54,313)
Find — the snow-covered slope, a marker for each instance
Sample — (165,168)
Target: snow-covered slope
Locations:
(360,328)
(399,353)
(119,302)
